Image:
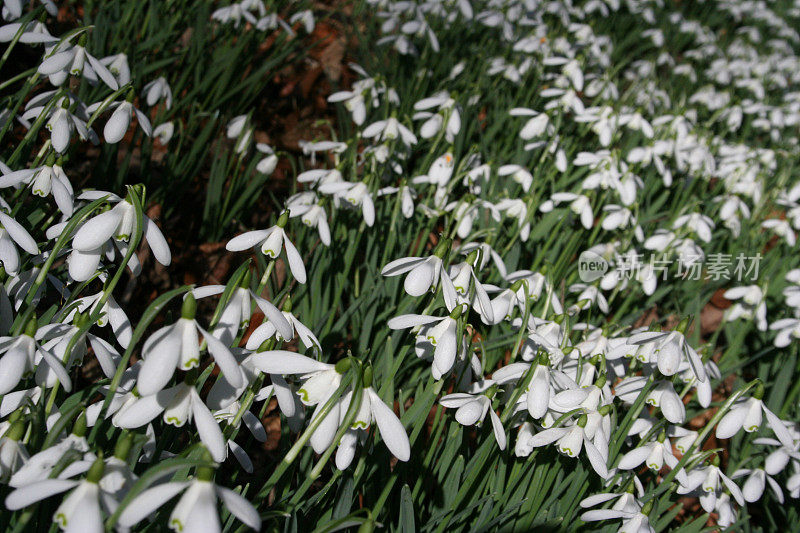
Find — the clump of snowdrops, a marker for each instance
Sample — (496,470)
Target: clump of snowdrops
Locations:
(416,320)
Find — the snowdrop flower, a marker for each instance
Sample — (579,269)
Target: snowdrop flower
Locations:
(178,346)
(788,329)
(571,440)
(535,284)
(23,355)
(13,453)
(467,210)
(57,337)
(440,172)
(311,212)
(777,461)
(271,329)
(710,480)
(407,195)
(156,90)
(164,132)
(81,510)
(669,349)
(269,162)
(354,100)
(235,13)
(539,391)
(237,312)
(471,408)
(35,32)
(180,404)
(239,128)
(621,217)
(424,273)
(13,235)
(117,125)
(654,454)
(306,17)
(469,290)
(118,223)
(355,194)
(320,176)
(39,467)
(579,204)
(66,59)
(752,306)
(781,228)
(372,409)
(757,479)
(320,382)
(448,116)
(223,396)
(663,395)
(696,222)
(44,180)
(518,209)
(390,129)
(627,507)
(271,241)
(118,66)
(111,313)
(536,125)
(588,294)
(196,511)
(312,148)
(746,413)
(438,340)
(252,423)
(62,121)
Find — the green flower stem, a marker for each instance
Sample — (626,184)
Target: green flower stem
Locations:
(347,423)
(294,451)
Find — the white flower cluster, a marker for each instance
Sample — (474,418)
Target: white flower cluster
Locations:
(602,156)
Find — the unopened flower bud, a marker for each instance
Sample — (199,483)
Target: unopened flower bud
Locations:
(189,308)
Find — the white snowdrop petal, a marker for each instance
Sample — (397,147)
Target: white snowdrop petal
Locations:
(754,486)
(56,62)
(779,428)
(392,431)
(284,362)
(295,261)
(157,242)
(57,367)
(323,436)
(498,429)
(224,359)
(19,234)
(34,492)
(148,501)
(410,321)
(160,357)
(634,458)
(143,410)
(96,231)
(239,507)
(548,436)
(241,456)
(247,240)
(731,423)
(595,458)
(117,125)
(274,315)
(347,449)
(207,428)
